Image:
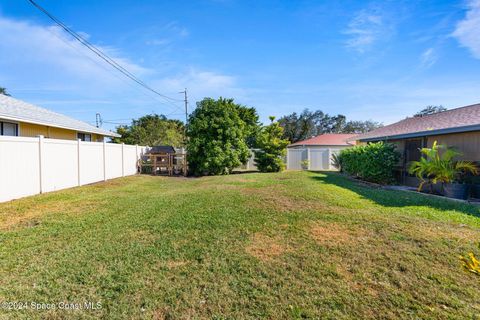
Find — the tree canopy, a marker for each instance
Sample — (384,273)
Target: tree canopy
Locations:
(250,118)
(312,123)
(271,148)
(152,130)
(4,91)
(430,110)
(360,126)
(217,136)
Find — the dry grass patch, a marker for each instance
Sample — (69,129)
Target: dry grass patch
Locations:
(265,248)
(332,233)
(31,216)
(172,264)
(275,197)
(437,231)
(242,179)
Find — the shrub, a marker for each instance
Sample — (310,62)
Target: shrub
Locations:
(437,165)
(336,162)
(216,137)
(305,164)
(271,148)
(373,162)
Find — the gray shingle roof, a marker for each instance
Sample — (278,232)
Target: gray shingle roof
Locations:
(454,120)
(17,110)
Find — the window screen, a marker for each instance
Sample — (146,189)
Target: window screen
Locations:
(8,129)
(84,136)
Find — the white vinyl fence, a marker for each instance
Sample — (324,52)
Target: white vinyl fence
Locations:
(31,166)
(250,165)
(318,158)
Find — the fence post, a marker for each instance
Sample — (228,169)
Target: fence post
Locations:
(308,158)
(78,161)
(104,161)
(288,155)
(123,160)
(329,159)
(137,159)
(40,162)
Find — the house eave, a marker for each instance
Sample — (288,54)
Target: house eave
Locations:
(475,127)
(45,123)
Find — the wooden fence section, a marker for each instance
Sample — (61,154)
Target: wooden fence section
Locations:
(30,166)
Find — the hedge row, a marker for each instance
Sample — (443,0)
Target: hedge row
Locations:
(373,162)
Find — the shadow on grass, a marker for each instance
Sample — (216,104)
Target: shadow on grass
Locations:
(394,198)
(244,171)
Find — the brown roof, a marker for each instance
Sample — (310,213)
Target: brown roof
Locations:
(451,121)
(327,139)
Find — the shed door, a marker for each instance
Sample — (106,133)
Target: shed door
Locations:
(319,159)
(295,158)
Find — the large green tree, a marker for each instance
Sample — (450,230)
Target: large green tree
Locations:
(430,110)
(361,126)
(216,137)
(152,130)
(312,123)
(252,126)
(271,148)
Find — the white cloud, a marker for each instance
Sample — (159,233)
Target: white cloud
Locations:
(467,31)
(202,84)
(43,64)
(428,58)
(49,49)
(364,30)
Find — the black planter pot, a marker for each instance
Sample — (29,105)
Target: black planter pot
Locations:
(456,190)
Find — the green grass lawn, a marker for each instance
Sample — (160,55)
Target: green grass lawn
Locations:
(286,245)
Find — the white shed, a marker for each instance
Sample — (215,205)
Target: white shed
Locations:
(318,151)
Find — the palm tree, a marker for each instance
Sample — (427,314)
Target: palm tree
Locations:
(4,91)
(438,166)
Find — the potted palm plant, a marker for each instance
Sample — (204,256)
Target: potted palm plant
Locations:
(437,166)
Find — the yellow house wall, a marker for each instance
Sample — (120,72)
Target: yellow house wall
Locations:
(34,130)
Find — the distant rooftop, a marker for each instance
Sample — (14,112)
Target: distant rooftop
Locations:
(327,139)
(17,110)
(454,120)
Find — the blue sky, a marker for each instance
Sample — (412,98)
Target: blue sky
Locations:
(368,60)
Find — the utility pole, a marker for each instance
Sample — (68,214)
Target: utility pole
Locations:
(98,120)
(186,114)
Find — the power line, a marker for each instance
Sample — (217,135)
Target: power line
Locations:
(125,80)
(100,53)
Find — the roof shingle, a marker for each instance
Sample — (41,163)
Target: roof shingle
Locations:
(462,119)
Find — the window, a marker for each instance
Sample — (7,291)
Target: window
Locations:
(84,136)
(8,129)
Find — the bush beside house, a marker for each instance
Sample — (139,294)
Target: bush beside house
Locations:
(438,166)
(374,162)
